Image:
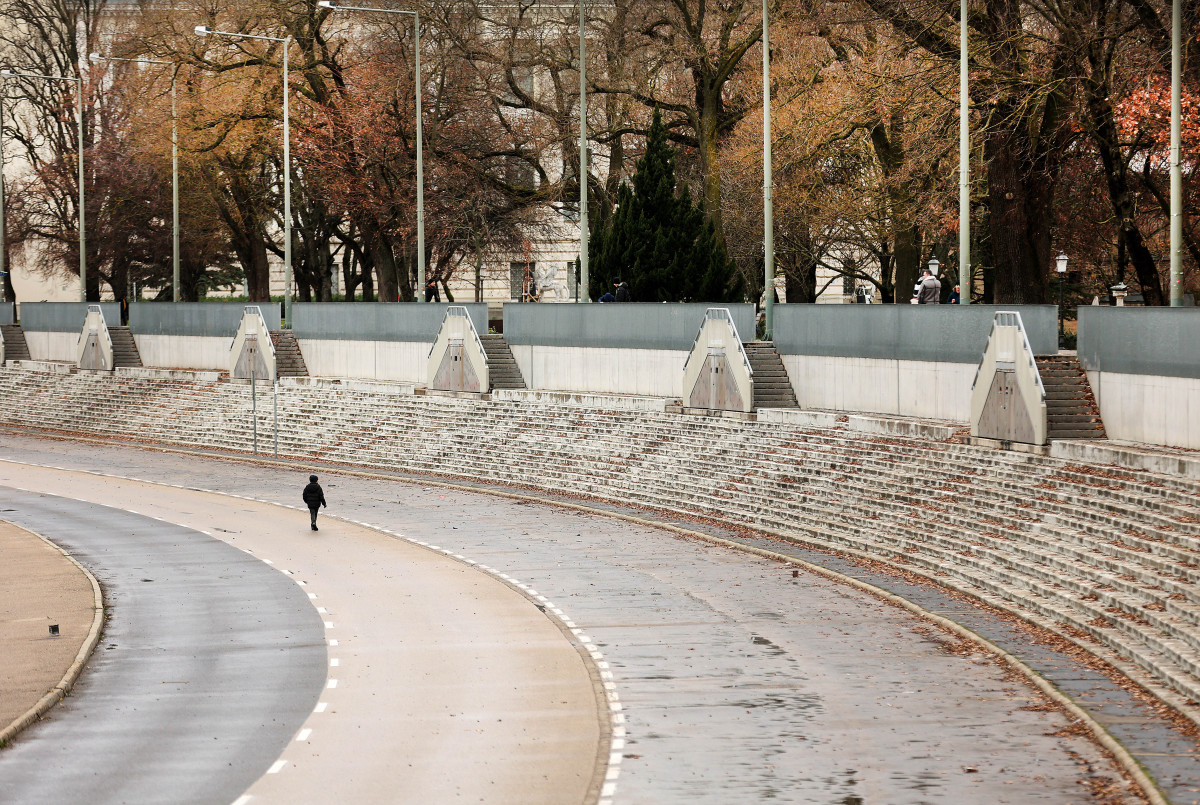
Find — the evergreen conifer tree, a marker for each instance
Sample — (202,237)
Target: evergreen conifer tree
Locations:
(660,242)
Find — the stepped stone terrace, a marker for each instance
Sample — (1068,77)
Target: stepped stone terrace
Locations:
(1108,559)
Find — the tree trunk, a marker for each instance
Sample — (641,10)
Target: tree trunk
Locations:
(1020,197)
(888,143)
(708,109)
(1116,174)
(383,259)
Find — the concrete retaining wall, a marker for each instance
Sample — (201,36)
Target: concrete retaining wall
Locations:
(63,317)
(1144,367)
(8,313)
(901,360)
(632,348)
(191,335)
(56,346)
(185,351)
(926,389)
(369,360)
(373,340)
(599,370)
(615,326)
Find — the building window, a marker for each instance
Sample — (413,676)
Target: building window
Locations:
(520,281)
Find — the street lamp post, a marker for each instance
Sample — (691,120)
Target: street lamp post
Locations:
(8,73)
(583,157)
(420,289)
(1176,228)
(768,191)
(96,57)
(3,229)
(1060,265)
(964,164)
(204,30)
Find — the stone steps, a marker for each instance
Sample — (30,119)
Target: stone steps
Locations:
(289,360)
(1071,409)
(503,371)
(772,387)
(125,351)
(15,346)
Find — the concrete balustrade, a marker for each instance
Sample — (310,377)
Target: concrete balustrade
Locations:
(373,341)
(190,335)
(1144,370)
(905,360)
(902,361)
(52,328)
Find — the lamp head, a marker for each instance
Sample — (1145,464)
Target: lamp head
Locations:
(933,266)
(203,30)
(1061,263)
(327,4)
(7,72)
(94,57)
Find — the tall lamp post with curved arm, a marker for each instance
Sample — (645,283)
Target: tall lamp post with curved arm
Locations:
(8,73)
(286,41)
(332,6)
(96,57)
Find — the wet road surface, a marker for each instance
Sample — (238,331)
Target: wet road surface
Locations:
(738,682)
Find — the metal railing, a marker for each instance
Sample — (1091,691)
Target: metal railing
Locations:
(1011,318)
(103,325)
(721,313)
(460,310)
(255,310)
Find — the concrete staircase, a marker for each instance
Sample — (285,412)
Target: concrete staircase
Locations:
(772,388)
(1071,409)
(502,366)
(289,361)
(1107,559)
(125,351)
(15,346)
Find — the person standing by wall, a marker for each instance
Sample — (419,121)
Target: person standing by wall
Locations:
(953,298)
(314,498)
(929,290)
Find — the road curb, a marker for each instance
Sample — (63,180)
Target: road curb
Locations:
(59,691)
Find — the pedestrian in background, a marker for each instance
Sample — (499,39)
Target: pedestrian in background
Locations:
(623,292)
(953,298)
(929,289)
(314,498)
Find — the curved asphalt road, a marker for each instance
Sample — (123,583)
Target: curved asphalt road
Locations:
(209,663)
(441,683)
(738,682)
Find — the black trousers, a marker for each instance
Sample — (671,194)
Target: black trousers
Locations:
(313,513)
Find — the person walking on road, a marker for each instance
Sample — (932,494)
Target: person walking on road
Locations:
(314,498)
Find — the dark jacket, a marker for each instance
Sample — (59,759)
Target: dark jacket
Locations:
(313,496)
(623,293)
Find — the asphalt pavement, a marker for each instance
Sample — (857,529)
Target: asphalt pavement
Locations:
(738,681)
